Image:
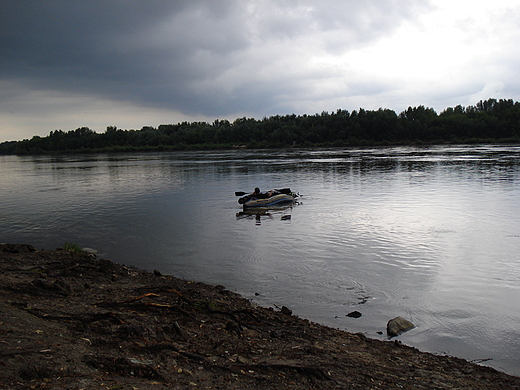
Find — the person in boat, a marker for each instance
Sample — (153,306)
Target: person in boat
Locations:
(259,195)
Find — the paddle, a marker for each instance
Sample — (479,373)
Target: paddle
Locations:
(286,191)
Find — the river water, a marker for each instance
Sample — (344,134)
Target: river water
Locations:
(430,234)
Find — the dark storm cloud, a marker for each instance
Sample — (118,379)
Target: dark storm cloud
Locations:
(199,57)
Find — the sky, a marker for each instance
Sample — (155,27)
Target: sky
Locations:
(128,63)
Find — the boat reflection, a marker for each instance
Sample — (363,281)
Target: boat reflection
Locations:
(260,213)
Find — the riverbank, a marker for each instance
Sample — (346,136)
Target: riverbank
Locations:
(71,321)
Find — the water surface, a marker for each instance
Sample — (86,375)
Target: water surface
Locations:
(430,234)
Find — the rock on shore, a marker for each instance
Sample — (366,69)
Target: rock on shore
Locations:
(398,325)
(68,320)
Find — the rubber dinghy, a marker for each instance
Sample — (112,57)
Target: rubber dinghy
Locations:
(272,198)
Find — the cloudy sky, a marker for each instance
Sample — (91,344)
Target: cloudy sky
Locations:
(128,63)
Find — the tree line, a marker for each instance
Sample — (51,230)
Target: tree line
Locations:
(491,120)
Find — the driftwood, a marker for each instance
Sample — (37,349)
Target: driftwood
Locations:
(83,318)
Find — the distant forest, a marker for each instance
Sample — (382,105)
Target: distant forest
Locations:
(489,121)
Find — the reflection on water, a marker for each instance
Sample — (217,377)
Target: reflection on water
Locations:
(259,215)
(431,234)
(281,213)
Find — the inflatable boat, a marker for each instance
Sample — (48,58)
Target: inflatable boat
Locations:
(272,198)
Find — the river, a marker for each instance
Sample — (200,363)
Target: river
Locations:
(431,234)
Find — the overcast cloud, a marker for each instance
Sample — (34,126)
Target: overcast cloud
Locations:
(66,64)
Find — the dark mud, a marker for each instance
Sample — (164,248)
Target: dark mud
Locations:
(69,321)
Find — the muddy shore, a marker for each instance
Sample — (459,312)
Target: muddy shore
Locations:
(71,321)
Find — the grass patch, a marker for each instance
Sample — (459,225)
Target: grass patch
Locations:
(70,247)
